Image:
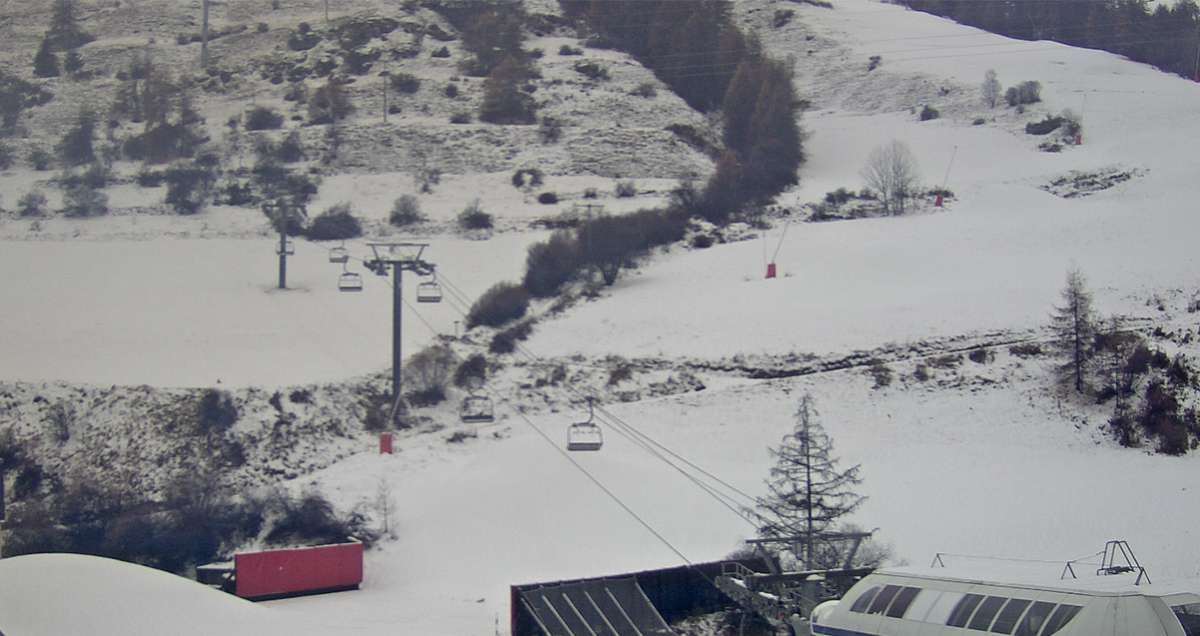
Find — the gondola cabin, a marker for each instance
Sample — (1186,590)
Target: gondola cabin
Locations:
(937,602)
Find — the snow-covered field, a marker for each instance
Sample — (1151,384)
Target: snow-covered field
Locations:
(981,459)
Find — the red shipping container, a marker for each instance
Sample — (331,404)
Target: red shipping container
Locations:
(295,571)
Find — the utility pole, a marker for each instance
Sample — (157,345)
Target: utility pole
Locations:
(386,75)
(397,258)
(204,36)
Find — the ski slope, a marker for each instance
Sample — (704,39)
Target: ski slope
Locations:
(985,459)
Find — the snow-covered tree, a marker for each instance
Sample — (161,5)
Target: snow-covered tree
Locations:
(990,88)
(1074,326)
(808,493)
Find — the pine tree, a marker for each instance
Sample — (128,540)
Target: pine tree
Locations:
(73,63)
(45,63)
(64,26)
(807,491)
(1074,326)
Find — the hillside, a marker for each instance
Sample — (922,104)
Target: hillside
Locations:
(923,338)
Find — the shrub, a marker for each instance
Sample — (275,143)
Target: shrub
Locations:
(32,204)
(591,70)
(929,112)
(1024,93)
(567,49)
(262,27)
(550,264)
(978,121)
(881,373)
(83,201)
(450,91)
(550,130)
(76,148)
(188,188)
(428,372)
(645,89)
(335,224)
(626,189)
(782,17)
(147,178)
(1026,350)
(921,373)
(405,83)
(547,198)
(874,62)
(527,178)
(590,193)
(461,117)
(303,38)
(312,520)
(471,372)
(1044,127)
(474,218)
(506,341)
(263,118)
(442,52)
(291,149)
(301,396)
(215,412)
(500,304)
(40,159)
(7,157)
(406,210)
(980,356)
(329,103)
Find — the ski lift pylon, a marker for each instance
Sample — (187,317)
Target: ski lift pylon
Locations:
(585,436)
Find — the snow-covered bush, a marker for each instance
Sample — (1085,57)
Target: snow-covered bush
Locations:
(406,210)
(551,263)
(471,372)
(474,218)
(506,341)
(84,201)
(500,304)
(428,373)
(32,204)
(626,189)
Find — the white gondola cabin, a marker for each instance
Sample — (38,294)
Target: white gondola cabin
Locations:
(942,602)
(477,409)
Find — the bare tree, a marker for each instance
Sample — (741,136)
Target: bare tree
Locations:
(891,171)
(384,505)
(990,88)
(1074,326)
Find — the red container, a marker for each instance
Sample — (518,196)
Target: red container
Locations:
(770,270)
(296,571)
(385,443)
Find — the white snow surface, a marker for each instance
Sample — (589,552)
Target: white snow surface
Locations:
(985,459)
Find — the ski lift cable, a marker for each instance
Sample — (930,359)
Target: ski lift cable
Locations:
(595,480)
(634,431)
(648,443)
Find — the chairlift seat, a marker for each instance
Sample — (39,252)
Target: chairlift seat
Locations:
(477,408)
(429,292)
(584,436)
(350,282)
(339,255)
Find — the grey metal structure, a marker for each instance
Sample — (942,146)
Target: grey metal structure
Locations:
(605,607)
(396,258)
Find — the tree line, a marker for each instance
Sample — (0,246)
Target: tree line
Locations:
(1166,37)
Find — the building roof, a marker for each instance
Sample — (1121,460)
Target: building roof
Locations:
(1048,577)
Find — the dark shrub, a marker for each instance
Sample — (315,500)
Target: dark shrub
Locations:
(547,198)
(460,118)
(188,187)
(301,396)
(550,130)
(148,178)
(591,70)
(567,49)
(929,112)
(335,224)
(291,149)
(32,204)
(702,241)
(405,83)
(40,159)
(310,520)
(7,157)
(474,218)
(450,91)
(406,210)
(303,38)
(1044,127)
(428,373)
(329,103)
(1023,93)
(263,118)
(527,177)
(216,412)
(645,89)
(981,356)
(1026,350)
(262,27)
(626,189)
(472,372)
(978,121)
(83,201)
(550,264)
(442,52)
(881,373)
(76,147)
(237,193)
(782,17)
(498,305)
(506,341)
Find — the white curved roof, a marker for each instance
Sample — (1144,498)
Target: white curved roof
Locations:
(1047,577)
(59,594)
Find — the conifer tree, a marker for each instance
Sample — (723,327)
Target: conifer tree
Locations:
(1074,326)
(807,491)
(65,32)
(45,63)
(73,63)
